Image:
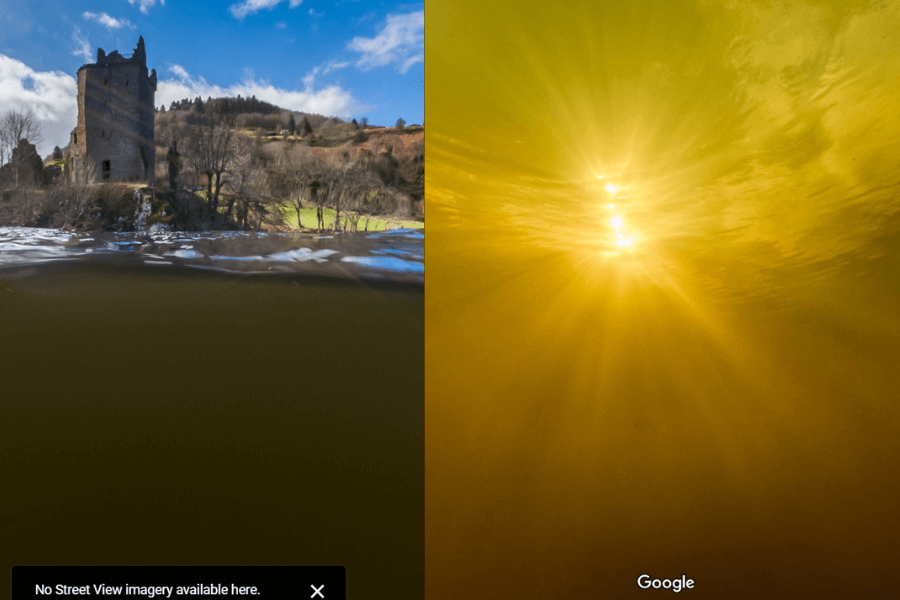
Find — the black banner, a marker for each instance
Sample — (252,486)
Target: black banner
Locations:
(153,583)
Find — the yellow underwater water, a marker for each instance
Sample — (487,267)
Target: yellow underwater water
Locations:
(663,307)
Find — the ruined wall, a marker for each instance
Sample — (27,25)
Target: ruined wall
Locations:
(116,116)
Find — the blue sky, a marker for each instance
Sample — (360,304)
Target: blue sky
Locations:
(345,58)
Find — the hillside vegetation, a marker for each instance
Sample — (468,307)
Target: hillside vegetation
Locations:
(238,163)
(251,158)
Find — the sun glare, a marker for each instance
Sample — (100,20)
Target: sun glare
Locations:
(620,238)
(611,189)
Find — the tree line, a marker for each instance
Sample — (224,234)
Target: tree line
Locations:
(236,105)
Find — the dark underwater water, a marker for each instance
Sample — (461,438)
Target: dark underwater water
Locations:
(174,400)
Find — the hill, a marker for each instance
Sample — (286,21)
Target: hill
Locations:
(273,137)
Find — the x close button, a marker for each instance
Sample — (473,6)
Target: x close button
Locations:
(317,591)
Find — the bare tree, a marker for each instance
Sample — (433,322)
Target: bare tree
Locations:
(245,183)
(214,147)
(337,183)
(355,185)
(17,125)
(352,190)
(320,207)
(295,178)
(373,197)
(191,157)
(330,192)
(173,158)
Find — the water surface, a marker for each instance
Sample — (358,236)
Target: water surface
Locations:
(395,254)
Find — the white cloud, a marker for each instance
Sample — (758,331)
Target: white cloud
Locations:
(400,42)
(180,72)
(313,13)
(334,66)
(84,49)
(281,25)
(51,95)
(329,101)
(107,21)
(310,78)
(251,7)
(419,58)
(145,5)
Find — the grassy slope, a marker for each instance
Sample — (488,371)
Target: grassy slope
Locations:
(308,219)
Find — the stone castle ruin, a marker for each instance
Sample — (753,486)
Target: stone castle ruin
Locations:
(115,116)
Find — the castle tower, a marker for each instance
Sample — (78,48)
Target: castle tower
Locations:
(116,112)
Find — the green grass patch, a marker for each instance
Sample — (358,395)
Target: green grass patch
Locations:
(309,220)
